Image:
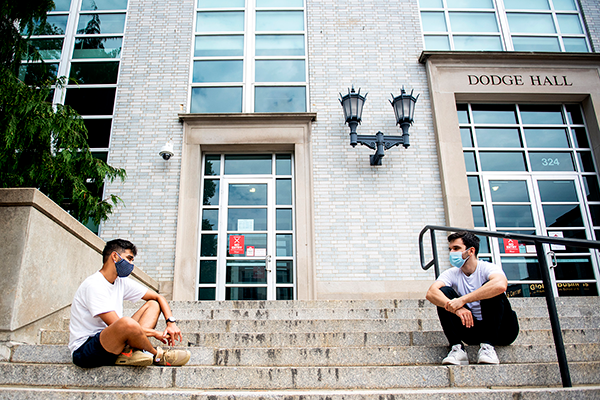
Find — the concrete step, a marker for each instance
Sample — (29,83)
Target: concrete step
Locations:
(332,356)
(310,378)
(548,393)
(341,339)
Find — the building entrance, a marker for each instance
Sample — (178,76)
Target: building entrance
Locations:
(247,234)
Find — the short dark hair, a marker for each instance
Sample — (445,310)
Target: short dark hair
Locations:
(469,239)
(118,245)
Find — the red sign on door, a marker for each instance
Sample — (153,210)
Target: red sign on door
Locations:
(511,246)
(236,244)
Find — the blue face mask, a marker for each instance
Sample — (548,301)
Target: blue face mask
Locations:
(456,259)
(124,267)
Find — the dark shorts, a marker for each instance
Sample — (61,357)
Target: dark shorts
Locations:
(91,354)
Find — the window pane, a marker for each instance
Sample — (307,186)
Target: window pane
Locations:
(491,137)
(206,294)
(474,188)
(279,3)
(210,220)
(473,22)
(92,5)
(97,101)
(547,161)
(502,161)
(280,71)
(94,24)
(218,71)
(535,44)
(38,72)
(541,114)
(470,4)
(509,191)
(54,25)
(95,73)
(562,215)
(489,43)
(465,137)
(211,192)
(267,21)
(283,220)
(208,245)
(530,23)
(247,194)
(592,190)
(285,272)
(283,164)
(595,212)
(554,191)
(526,5)
(573,268)
(228,21)
(284,192)
(546,138)
(430,3)
(247,164)
(513,216)
(285,293)
(98,132)
(284,246)
(521,268)
(574,115)
(580,138)
(247,219)
(564,5)
(493,114)
(463,113)
(256,240)
(586,161)
(212,165)
(437,43)
(208,46)
(49,49)
(280,45)
(62,5)
(208,271)
(221,3)
(575,45)
(280,99)
(97,48)
(569,24)
(470,161)
(478,217)
(434,22)
(245,293)
(246,271)
(216,100)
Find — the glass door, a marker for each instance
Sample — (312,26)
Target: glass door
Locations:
(247,249)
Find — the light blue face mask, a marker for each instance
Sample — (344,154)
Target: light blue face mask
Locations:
(456,259)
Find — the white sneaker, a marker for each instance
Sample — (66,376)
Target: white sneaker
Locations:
(457,356)
(487,354)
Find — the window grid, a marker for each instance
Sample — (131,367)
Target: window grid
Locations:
(453,38)
(235,91)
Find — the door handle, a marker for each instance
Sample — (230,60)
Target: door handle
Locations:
(553,258)
(267,261)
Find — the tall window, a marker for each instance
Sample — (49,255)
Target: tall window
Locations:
(531,171)
(497,25)
(249,56)
(82,40)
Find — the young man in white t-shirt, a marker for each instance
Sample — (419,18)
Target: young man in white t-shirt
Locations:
(101,335)
(472,304)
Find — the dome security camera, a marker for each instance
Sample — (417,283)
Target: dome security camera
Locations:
(167,151)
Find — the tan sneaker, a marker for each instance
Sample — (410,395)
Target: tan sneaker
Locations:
(134,358)
(174,358)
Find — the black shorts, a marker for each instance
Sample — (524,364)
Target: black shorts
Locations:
(91,354)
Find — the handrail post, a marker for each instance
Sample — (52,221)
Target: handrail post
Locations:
(436,264)
(553,314)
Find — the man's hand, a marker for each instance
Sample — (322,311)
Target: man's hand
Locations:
(172,334)
(454,305)
(465,316)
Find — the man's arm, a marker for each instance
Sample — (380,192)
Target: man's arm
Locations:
(438,298)
(496,285)
(172,332)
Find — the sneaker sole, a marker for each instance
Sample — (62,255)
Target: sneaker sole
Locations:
(452,363)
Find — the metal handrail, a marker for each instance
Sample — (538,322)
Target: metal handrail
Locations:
(539,241)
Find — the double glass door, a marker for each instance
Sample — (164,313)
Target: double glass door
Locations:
(247,238)
(541,205)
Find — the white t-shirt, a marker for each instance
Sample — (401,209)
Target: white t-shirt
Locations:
(97,296)
(462,284)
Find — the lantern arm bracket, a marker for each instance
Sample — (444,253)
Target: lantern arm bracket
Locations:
(379,142)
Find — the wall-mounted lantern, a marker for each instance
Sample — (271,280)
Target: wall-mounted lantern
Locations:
(404,109)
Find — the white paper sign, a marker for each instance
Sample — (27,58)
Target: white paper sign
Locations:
(557,246)
(245,225)
(260,252)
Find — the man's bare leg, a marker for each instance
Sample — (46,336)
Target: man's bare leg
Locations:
(147,315)
(125,331)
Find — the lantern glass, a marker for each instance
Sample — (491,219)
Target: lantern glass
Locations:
(353,103)
(404,107)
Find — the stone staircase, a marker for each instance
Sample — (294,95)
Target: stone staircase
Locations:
(333,350)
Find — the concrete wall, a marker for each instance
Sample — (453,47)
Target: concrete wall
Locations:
(46,254)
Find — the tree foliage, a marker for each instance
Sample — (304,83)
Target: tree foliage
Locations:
(44,145)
